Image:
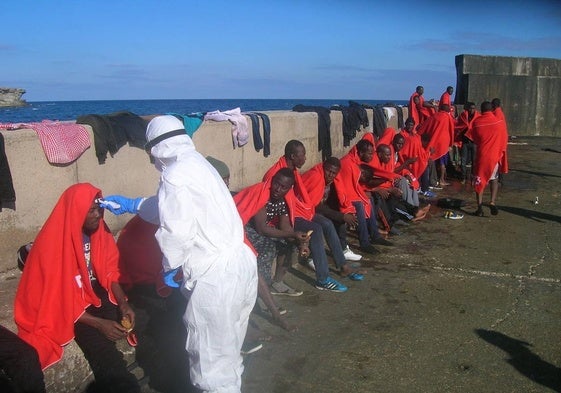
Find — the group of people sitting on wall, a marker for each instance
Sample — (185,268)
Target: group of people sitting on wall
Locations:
(186,270)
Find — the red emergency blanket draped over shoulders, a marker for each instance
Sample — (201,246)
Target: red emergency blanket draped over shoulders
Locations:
(55,288)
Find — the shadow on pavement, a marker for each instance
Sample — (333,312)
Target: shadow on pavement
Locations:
(525,361)
(531,214)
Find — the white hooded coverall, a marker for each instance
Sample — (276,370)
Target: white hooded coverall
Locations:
(202,232)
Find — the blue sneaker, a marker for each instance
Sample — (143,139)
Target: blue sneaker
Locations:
(331,285)
(429,194)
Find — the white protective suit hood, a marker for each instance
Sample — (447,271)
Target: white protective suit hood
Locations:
(167,139)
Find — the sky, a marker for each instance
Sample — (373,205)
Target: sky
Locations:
(61,50)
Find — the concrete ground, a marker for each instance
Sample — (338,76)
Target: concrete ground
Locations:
(472,305)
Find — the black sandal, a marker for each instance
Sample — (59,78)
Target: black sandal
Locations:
(494,210)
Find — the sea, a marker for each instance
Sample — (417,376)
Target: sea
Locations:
(70,110)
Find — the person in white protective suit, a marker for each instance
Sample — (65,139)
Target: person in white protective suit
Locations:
(201,233)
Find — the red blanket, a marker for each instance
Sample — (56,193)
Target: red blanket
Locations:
(314,181)
(490,136)
(440,128)
(302,205)
(347,184)
(463,125)
(55,288)
(414,148)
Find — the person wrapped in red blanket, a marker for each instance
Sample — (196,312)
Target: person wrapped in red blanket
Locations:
(490,135)
(70,289)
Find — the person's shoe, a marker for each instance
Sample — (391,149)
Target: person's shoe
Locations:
(250,347)
(381,242)
(350,255)
(494,210)
(479,212)
(280,288)
(331,285)
(429,194)
(369,250)
(310,264)
(394,231)
(437,186)
(449,214)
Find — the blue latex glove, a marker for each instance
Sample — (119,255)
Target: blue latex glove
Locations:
(169,278)
(118,204)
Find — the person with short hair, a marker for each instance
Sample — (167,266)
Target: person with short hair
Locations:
(491,138)
(70,289)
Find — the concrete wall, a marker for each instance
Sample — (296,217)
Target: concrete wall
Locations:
(38,184)
(529,88)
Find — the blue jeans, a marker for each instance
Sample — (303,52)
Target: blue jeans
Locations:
(332,238)
(316,246)
(367,227)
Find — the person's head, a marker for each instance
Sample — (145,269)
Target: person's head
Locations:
(397,142)
(420,90)
(281,183)
(93,217)
(444,108)
(486,106)
(331,168)
(409,125)
(450,90)
(295,153)
(384,153)
(496,102)
(470,107)
(221,168)
(166,139)
(365,150)
(366,173)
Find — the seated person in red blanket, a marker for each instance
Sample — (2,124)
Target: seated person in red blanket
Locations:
(70,289)
(266,211)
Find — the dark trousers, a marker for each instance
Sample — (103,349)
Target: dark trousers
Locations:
(316,246)
(20,363)
(367,226)
(106,361)
(467,155)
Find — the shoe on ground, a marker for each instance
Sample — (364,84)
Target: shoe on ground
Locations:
(250,347)
(281,288)
(331,285)
(437,186)
(494,210)
(310,264)
(479,212)
(429,194)
(381,242)
(449,214)
(369,249)
(350,255)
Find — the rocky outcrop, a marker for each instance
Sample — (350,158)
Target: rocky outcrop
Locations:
(11,97)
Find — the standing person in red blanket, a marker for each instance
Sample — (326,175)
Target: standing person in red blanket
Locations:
(419,109)
(318,181)
(446,98)
(70,289)
(464,124)
(294,158)
(440,128)
(490,136)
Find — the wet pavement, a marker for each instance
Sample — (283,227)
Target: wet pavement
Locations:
(471,305)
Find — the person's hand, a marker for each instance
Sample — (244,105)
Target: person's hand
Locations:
(113,330)
(127,313)
(350,220)
(396,192)
(301,236)
(118,204)
(411,160)
(383,192)
(169,278)
(304,249)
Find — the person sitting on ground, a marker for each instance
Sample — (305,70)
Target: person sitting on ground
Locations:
(491,138)
(463,125)
(318,181)
(70,289)
(440,128)
(352,198)
(266,210)
(294,158)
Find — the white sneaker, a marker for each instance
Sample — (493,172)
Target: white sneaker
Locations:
(351,256)
(310,263)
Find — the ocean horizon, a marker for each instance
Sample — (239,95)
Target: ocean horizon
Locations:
(70,110)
